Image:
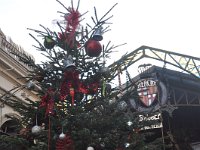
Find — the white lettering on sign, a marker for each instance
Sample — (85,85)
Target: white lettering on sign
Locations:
(154,126)
(146,118)
(150,118)
(146,83)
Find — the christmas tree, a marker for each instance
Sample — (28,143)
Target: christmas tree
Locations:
(78,108)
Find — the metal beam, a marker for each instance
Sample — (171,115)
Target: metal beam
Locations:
(186,63)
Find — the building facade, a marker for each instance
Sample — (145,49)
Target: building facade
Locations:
(12,79)
(173,98)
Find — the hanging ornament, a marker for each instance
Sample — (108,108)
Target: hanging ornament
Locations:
(98,34)
(48,102)
(65,144)
(49,43)
(68,61)
(122,105)
(106,89)
(30,85)
(72,93)
(36,129)
(62,136)
(127,145)
(70,84)
(90,148)
(93,48)
(105,72)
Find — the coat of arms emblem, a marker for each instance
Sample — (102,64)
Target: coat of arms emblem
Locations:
(147,90)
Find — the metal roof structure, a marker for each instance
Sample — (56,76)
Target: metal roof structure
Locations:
(186,63)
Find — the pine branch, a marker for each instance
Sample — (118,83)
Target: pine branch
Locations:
(63,5)
(42,47)
(78,5)
(107,12)
(48,33)
(95,13)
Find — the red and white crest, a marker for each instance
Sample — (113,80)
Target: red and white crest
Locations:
(147,91)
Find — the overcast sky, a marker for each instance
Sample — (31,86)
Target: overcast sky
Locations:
(172,25)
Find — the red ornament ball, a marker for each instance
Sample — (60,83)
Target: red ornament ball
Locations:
(93,48)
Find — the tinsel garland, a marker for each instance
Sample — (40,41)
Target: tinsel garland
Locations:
(72,20)
(48,101)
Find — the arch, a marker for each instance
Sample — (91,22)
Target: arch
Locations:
(11,124)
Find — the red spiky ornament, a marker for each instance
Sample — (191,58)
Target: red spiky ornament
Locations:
(47,101)
(72,22)
(65,144)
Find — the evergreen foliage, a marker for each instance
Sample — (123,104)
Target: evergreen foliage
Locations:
(75,97)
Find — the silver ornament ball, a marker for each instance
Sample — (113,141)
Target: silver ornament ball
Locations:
(36,129)
(127,145)
(105,71)
(62,136)
(30,85)
(90,148)
(122,105)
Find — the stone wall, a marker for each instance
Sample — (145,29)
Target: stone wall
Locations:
(12,76)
